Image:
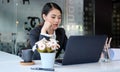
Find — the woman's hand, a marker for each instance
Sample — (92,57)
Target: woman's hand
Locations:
(46,27)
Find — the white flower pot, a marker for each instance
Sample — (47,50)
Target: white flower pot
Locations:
(47,60)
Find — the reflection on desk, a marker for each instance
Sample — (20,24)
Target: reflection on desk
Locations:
(11,63)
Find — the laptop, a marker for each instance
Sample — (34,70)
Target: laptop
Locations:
(83,49)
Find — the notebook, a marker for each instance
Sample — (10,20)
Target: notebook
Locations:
(83,49)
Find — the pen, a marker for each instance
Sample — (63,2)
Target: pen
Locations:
(45,69)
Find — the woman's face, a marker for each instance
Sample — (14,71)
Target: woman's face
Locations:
(54,17)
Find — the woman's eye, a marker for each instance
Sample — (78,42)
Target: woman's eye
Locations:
(53,17)
(59,17)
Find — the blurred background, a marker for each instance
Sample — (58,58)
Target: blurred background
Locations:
(80,17)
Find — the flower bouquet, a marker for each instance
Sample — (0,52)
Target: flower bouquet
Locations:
(47,50)
(45,46)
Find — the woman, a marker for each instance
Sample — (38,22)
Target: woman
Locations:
(51,15)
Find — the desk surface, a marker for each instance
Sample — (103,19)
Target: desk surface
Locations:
(11,63)
(8,57)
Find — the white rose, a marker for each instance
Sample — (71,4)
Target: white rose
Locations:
(41,46)
(53,42)
(49,44)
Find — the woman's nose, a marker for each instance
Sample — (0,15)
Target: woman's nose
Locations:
(56,20)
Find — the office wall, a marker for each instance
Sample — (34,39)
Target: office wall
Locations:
(74,17)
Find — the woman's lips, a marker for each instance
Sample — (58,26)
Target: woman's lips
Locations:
(55,24)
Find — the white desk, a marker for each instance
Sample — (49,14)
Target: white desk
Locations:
(11,63)
(8,57)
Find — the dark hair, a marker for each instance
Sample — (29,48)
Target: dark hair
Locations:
(48,7)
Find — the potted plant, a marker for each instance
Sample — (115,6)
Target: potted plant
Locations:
(47,50)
